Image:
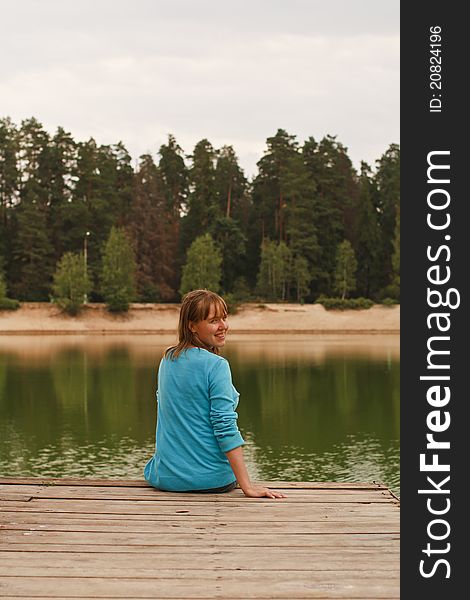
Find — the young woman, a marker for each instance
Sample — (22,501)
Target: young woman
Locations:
(198,444)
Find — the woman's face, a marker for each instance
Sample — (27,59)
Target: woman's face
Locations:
(212,330)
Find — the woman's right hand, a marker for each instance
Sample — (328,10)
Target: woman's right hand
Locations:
(257,491)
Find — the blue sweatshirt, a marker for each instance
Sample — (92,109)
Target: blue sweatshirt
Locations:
(196,423)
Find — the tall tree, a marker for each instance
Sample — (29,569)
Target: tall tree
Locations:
(202,201)
(368,247)
(105,184)
(331,170)
(175,179)
(32,255)
(387,180)
(202,268)
(396,258)
(227,229)
(346,265)
(9,182)
(66,217)
(118,271)
(151,230)
(275,271)
(71,283)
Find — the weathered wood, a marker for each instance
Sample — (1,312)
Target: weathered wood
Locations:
(140,483)
(124,539)
(205,559)
(204,536)
(224,528)
(236,496)
(132,510)
(223,584)
(23,520)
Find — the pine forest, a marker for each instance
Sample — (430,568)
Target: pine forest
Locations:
(306,225)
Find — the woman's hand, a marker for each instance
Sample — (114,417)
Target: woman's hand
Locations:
(256,491)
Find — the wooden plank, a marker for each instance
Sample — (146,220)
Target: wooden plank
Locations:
(148,491)
(82,539)
(140,483)
(391,544)
(110,564)
(231,497)
(14,497)
(7,520)
(223,584)
(78,566)
(222,528)
(318,512)
(247,559)
(201,538)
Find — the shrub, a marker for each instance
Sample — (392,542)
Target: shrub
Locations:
(71,283)
(344,303)
(8,304)
(233,304)
(389,302)
(118,272)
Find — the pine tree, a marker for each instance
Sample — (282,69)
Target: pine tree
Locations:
(9,183)
(151,230)
(332,173)
(394,289)
(71,283)
(283,198)
(346,265)
(175,180)
(368,239)
(203,266)
(387,180)
(202,201)
(118,271)
(31,263)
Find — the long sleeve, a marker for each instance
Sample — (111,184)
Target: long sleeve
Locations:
(222,407)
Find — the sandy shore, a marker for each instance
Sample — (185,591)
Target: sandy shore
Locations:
(38,318)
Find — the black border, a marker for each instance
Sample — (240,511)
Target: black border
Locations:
(423,132)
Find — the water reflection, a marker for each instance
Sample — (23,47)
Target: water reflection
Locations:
(312,407)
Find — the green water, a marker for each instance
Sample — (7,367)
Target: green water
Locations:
(311,407)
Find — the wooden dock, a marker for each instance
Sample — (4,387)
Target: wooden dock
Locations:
(85,538)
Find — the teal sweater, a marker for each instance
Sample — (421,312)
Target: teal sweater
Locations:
(196,423)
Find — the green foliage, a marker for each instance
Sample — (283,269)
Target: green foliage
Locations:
(346,266)
(241,290)
(6,303)
(203,266)
(118,271)
(274,271)
(71,283)
(31,263)
(3,286)
(345,303)
(389,302)
(233,304)
(301,277)
(306,198)
(389,291)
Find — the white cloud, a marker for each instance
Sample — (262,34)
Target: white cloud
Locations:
(103,70)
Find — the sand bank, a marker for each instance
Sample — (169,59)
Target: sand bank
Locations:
(42,318)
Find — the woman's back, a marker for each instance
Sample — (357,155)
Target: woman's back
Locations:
(196,423)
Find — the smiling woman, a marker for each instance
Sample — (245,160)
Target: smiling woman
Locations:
(198,444)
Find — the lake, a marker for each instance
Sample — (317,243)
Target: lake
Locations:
(312,407)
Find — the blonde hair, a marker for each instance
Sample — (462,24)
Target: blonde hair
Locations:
(195,307)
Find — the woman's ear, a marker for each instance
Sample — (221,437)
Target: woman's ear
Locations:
(191,327)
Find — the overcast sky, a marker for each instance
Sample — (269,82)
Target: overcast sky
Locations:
(231,72)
